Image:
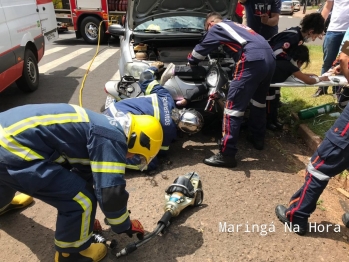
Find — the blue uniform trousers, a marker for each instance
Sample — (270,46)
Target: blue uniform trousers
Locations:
(71,194)
(250,83)
(273,99)
(330,159)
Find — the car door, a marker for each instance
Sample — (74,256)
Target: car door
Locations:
(48,20)
(7,56)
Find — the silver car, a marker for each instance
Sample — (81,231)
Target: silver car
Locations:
(165,30)
(287,8)
(296,5)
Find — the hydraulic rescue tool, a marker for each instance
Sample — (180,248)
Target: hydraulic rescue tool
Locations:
(185,191)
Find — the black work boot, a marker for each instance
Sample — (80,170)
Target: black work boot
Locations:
(320,92)
(345,219)
(271,126)
(257,143)
(220,160)
(280,212)
(278,125)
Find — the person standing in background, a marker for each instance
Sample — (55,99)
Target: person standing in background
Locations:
(262,16)
(338,25)
(239,11)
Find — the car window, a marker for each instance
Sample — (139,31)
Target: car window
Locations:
(173,22)
(287,3)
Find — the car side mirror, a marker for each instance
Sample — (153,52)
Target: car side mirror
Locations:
(116,30)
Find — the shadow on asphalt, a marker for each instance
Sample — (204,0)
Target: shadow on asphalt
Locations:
(177,241)
(48,90)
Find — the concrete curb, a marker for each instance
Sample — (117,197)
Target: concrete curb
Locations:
(310,138)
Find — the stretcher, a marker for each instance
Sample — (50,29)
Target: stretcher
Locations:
(338,80)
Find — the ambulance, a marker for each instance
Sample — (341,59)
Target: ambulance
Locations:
(26,27)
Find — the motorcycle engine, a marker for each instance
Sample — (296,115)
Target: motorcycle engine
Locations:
(141,51)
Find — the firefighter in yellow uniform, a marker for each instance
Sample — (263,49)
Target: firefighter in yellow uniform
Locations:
(71,158)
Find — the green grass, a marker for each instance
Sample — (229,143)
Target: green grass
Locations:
(298,98)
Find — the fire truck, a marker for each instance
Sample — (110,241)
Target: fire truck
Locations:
(86,17)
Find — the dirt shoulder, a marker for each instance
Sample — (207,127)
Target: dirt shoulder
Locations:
(246,196)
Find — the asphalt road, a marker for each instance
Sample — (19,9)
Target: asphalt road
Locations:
(62,70)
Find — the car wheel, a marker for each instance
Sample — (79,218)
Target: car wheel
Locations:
(89,30)
(29,81)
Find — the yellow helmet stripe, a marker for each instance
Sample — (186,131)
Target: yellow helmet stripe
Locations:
(11,145)
(108,167)
(119,220)
(86,205)
(155,103)
(151,86)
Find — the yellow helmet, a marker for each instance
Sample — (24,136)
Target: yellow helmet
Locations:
(145,137)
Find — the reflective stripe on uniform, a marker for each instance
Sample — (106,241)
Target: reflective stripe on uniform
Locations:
(257,104)
(278,51)
(113,110)
(232,32)
(59,160)
(86,205)
(119,220)
(316,173)
(82,113)
(151,71)
(78,243)
(155,103)
(108,167)
(197,55)
(151,86)
(134,167)
(10,144)
(82,161)
(271,97)
(164,148)
(231,112)
(45,120)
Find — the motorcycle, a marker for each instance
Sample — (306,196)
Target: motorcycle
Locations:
(207,97)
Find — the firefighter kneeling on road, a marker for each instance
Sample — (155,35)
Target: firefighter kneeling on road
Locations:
(70,158)
(159,103)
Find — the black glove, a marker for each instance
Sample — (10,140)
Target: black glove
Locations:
(135,228)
